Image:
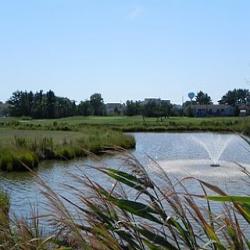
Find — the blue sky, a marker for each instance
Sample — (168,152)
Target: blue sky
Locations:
(127,49)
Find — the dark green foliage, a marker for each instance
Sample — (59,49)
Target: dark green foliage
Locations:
(157,109)
(85,108)
(133,108)
(203,98)
(40,105)
(48,105)
(97,104)
(236,97)
(17,160)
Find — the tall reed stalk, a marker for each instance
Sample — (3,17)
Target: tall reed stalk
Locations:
(135,210)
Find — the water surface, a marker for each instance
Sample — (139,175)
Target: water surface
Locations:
(180,154)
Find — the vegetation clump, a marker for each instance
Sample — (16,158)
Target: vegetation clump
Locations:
(15,160)
(4,202)
(22,149)
(4,212)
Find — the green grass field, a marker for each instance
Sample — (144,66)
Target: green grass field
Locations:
(120,120)
(135,123)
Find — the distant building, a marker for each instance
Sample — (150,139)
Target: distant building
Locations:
(211,110)
(244,110)
(156,100)
(4,109)
(114,108)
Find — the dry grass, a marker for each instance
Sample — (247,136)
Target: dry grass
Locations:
(137,212)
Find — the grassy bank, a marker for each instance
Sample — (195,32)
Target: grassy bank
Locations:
(20,148)
(136,123)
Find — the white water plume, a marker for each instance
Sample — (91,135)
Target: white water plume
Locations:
(214,144)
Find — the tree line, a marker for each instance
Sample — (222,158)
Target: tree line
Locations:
(152,108)
(48,105)
(233,97)
(41,105)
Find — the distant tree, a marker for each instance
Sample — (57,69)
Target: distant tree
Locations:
(157,109)
(188,103)
(203,98)
(187,108)
(176,110)
(97,104)
(235,97)
(151,109)
(65,107)
(117,111)
(85,108)
(133,108)
(19,102)
(165,109)
(40,105)
(50,104)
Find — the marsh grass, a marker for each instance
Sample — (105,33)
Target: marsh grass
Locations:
(135,210)
(21,148)
(4,203)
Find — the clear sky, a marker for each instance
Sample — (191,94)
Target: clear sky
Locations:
(124,49)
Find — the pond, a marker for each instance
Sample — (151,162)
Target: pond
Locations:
(179,154)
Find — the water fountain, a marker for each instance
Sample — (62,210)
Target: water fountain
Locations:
(214,145)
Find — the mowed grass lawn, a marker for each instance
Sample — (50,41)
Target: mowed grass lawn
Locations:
(135,123)
(126,120)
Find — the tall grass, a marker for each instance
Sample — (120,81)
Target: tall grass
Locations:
(18,151)
(135,210)
(4,203)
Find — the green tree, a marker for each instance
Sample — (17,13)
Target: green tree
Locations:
(151,109)
(203,98)
(85,108)
(37,110)
(50,104)
(133,108)
(165,108)
(20,105)
(97,104)
(235,97)
(65,107)
(40,105)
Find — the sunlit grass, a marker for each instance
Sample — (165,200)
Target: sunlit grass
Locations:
(135,123)
(22,148)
